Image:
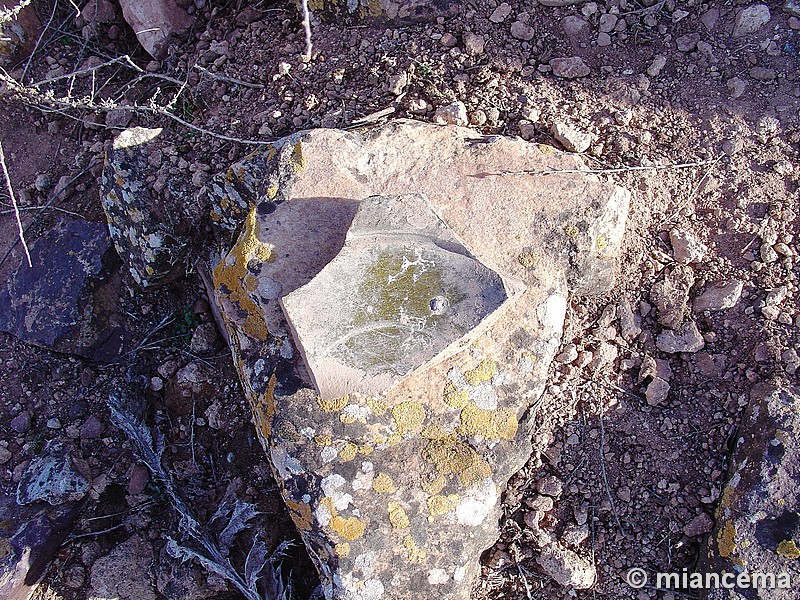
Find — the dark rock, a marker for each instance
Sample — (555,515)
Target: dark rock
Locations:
(124,573)
(758,517)
(194,382)
(22,422)
(29,539)
(67,300)
(92,428)
(52,477)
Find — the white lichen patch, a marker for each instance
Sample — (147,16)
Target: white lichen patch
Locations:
(308,432)
(355,412)
(363,479)
(286,465)
(460,573)
(323,515)
(477,503)
(365,563)
(438,577)
(328,454)
(551,313)
(483,396)
(332,488)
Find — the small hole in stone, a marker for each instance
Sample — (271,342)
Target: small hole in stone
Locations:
(438,305)
(266,208)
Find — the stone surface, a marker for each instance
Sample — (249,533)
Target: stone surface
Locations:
(500,13)
(402,293)
(397,494)
(719,296)
(685,339)
(686,247)
(567,567)
(154,21)
(53,478)
(124,573)
(67,300)
(570,68)
(451,114)
(751,19)
(671,295)
(572,139)
(758,516)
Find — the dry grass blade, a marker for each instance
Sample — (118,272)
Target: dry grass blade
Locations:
(14,204)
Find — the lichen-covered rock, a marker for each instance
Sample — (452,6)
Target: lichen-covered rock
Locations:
(758,518)
(342,11)
(67,300)
(402,293)
(148,231)
(397,493)
(52,477)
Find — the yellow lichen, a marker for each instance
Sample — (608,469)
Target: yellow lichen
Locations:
(440,505)
(602,243)
(394,439)
(397,516)
(264,411)
(527,259)
(365,449)
(342,549)
(415,553)
(323,440)
(455,397)
(725,540)
(499,424)
(383,483)
(434,432)
(272,191)
(232,278)
(433,485)
(483,372)
(348,453)
(451,455)
(408,416)
(571,231)
(545,149)
(298,160)
(300,512)
(350,528)
(334,404)
(346,418)
(376,405)
(788,549)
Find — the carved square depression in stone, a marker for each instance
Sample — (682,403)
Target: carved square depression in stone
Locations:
(403,293)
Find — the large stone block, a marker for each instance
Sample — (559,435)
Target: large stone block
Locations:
(396,490)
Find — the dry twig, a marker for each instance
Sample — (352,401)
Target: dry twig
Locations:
(14,204)
(307,29)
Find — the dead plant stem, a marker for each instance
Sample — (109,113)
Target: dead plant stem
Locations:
(14,204)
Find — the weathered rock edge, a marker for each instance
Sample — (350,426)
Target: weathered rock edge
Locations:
(396,495)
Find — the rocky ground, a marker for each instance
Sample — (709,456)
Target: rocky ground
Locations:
(633,435)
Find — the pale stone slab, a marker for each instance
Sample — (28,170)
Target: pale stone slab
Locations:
(403,293)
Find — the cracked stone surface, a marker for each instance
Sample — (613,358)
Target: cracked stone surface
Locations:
(402,293)
(396,493)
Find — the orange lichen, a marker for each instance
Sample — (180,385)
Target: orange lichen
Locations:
(350,528)
(300,512)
